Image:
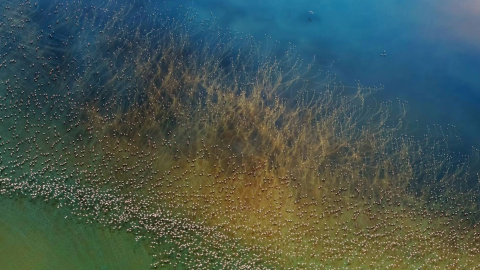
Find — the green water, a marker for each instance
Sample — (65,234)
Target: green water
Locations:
(34,235)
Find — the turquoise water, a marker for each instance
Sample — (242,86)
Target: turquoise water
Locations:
(34,235)
(239,135)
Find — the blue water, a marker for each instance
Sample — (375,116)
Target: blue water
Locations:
(432,48)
